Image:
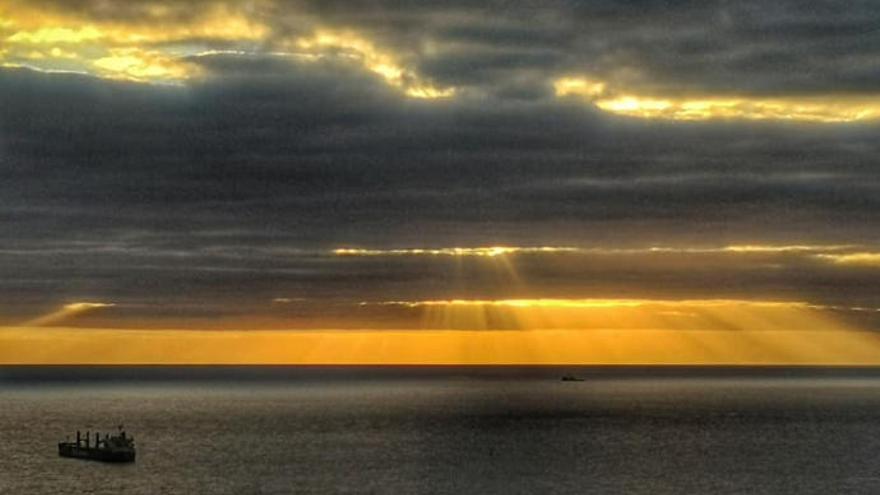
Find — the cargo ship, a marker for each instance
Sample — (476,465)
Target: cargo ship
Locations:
(110,448)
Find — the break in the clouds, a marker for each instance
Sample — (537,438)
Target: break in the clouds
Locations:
(651,59)
(188,163)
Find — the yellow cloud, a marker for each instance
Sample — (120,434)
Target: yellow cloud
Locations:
(792,248)
(53,41)
(492,251)
(217,21)
(823,110)
(139,65)
(84,306)
(384,63)
(861,259)
(595,303)
(820,109)
(579,86)
(136,50)
(489,251)
(54,35)
(66,311)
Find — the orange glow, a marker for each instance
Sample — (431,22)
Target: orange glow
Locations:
(543,331)
(654,346)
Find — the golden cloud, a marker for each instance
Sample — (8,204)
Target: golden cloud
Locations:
(860,259)
(52,41)
(819,109)
(55,40)
(218,21)
(595,303)
(54,35)
(384,63)
(493,251)
(489,251)
(142,65)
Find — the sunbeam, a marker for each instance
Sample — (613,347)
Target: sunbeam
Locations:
(66,311)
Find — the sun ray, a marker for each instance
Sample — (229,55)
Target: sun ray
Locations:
(66,311)
(624,314)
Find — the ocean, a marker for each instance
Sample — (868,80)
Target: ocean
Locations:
(445,430)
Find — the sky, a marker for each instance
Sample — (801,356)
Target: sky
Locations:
(618,182)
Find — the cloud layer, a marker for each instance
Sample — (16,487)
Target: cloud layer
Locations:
(191,164)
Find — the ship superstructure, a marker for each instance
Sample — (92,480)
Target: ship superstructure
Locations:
(110,448)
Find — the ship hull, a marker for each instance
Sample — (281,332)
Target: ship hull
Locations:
(94,454)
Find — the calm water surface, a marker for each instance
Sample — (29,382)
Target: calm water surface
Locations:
(453,435)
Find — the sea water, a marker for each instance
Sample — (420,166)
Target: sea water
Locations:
(449,433)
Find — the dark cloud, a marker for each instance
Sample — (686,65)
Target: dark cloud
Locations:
(180,200)
(716,46)
(709,47)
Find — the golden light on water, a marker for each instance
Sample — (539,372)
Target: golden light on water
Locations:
(819,108)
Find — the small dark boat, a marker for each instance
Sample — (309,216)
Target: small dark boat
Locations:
(111,448)
(571,378)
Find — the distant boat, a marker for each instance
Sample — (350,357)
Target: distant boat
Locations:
(115,448)
(571,378)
